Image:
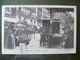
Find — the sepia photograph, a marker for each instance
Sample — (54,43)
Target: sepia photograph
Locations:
(39,29)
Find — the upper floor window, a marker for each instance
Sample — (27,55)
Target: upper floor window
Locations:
(56,15)
(10,12)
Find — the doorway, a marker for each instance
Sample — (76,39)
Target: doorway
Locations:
(55,27)
(46,26)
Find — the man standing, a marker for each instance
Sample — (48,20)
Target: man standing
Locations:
(43,34)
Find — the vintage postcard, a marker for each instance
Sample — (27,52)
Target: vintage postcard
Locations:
(39,29)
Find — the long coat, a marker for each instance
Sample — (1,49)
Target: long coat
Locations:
(10,41)
(70,43)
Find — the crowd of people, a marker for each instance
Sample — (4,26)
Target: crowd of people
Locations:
(14,38)
(56,40)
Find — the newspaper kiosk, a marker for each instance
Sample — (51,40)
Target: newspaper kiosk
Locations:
(57,26)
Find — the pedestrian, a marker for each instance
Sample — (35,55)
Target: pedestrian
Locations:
(42,40)
(43,35)
(50,40)
(69,42)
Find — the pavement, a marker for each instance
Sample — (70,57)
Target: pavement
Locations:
(33,44)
